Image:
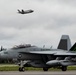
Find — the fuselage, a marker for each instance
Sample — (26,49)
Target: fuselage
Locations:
(19,53)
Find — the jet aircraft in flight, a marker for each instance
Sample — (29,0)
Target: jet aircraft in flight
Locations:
(25,11)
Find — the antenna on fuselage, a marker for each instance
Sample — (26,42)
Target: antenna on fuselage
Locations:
(51,47)
(43,46)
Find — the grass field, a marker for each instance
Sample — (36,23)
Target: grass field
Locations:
(9,67)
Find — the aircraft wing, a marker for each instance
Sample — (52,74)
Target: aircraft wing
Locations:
(65,54)
(39,52)
(59,54)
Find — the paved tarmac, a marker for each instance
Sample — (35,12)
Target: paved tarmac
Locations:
(38,73)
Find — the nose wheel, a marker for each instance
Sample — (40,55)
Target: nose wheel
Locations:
(21,66)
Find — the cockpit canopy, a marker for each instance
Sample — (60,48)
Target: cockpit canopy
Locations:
(22,46)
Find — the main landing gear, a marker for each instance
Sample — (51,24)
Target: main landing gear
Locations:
(64,68)
(45,69)
(21,69)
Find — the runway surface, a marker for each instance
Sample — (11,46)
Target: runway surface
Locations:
(38,73)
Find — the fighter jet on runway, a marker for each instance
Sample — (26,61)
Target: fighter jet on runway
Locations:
(25,12)
(43,57)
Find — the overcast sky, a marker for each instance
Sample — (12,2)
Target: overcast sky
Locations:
(50,20)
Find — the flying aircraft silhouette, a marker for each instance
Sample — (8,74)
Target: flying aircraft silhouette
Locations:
(25,11)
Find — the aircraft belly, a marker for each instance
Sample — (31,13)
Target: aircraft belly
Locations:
(38,64)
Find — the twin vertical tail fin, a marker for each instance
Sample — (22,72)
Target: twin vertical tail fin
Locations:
(73,48)
(64,43)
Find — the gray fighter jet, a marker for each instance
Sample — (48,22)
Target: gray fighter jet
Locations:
(45,58)
(61,59)
(25,12)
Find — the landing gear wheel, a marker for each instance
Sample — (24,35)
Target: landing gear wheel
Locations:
(64,68)
(45,69)
(21,69)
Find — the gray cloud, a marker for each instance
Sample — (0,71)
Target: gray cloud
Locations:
(50,20)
